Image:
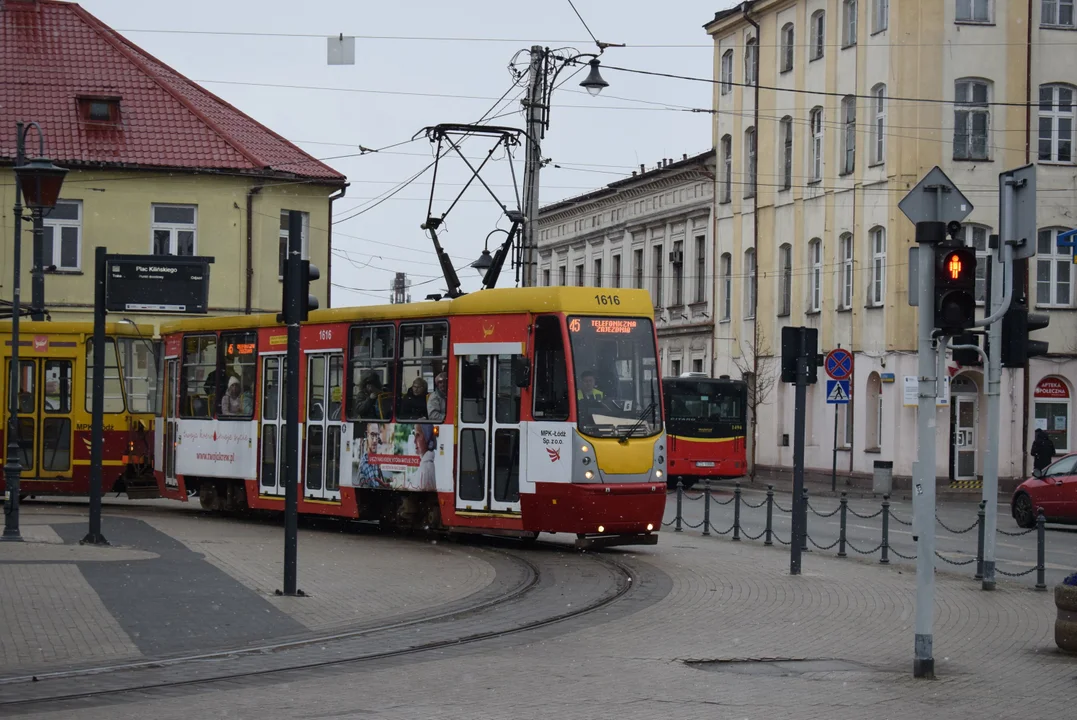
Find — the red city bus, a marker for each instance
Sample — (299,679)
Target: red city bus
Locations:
(705,422)
(470,415)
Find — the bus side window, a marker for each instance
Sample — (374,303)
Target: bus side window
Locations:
(550,387)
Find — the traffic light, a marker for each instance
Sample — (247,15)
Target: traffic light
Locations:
(1017,323)
(967,358)
(307,302)
(792,348)
(297,303)
(955,288)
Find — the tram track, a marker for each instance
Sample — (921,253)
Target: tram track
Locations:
(526,607)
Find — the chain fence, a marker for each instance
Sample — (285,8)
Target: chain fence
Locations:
(769,505)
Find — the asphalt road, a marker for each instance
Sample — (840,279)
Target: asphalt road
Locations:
(1012,554)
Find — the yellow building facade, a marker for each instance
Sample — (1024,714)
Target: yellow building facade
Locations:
(827,112)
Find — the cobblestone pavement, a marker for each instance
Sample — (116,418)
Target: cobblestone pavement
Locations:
(179,582)
(994,655)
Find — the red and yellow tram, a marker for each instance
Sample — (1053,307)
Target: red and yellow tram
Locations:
(508,411)
(55,403)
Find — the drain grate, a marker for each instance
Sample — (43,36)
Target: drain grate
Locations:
(778,666)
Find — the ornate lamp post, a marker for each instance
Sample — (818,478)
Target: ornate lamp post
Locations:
(40,181)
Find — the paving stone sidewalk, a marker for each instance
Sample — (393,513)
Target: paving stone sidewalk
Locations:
(175,582)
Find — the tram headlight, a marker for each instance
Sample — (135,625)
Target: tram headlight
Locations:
(586,460)
(601,528)
(585,448)
(650,527)
(658,473)
(589,475)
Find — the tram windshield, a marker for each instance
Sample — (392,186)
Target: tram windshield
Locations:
(617,393)
(704,407)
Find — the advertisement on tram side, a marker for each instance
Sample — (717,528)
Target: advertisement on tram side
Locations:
(395,456)
(215,449)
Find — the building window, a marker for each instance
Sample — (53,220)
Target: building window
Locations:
(749,162)
(727,168)
(878,140)
(973,11)
(697,365)
(282,243)
(880,15)
(877,289)
(1053,268)
(579,275)
(848,138)
(846,289)
(62,236)
(561,279)
(815,261)
(727,72)
(1057,13)
(701,268)
(787,47)
(1052,400)
(818,35)
(785,287)
(173,229)
(676,261)
(659,266)
(976,237)
(1056,123)
(815,123)
(751,62)
(637,268)
(848,24)
(874,431)
(749,284)
(971,120)
(675,367)
(598,272)
(546,278)
(727,285)
(615,281)
(787,152)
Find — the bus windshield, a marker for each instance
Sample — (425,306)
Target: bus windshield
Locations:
(617,393)
(705,407)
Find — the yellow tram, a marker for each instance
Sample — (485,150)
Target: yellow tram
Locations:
(55,401)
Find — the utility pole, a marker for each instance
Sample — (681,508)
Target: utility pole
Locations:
(800,361)
(535,107)
(37,273)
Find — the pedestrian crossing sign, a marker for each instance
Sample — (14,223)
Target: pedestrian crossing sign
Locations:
(837,392)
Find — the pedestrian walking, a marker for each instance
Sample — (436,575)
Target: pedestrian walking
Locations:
(1043,450)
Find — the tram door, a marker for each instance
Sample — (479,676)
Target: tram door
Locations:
(271,475)
(44,429)
(488,416)
(171,411)
(325,376)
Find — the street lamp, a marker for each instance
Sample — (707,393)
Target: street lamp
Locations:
(546,65)
(482,265)
(40,180)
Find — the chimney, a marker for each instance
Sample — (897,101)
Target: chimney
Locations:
(633,173)
(684,156)
(642,168)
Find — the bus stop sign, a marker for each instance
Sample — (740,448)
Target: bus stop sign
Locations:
(157,283)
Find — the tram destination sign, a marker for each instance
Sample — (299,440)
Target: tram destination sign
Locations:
(157,283)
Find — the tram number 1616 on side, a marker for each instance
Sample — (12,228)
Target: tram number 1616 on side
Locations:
(608,299)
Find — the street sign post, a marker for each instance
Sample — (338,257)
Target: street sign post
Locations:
(931,206)
(1022,182)
(839,365)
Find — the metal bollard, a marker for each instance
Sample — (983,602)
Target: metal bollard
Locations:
(841,530)
(885,559)
(980,540)
(1041,549)
(706,507)
(770,514)
(736,512)
(804,521)
(680,494)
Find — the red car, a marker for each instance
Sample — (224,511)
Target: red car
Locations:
(1054,489)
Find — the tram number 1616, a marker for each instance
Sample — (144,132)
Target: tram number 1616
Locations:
(608,299)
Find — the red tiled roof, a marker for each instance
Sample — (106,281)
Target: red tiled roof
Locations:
(52,53)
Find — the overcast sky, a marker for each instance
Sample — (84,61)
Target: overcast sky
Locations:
(596,141)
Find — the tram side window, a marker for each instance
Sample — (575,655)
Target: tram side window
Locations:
(424,351)
(58,381)
(113,398)
(372,357)
(551,376)
(235,375)
(138,362)
(198,379)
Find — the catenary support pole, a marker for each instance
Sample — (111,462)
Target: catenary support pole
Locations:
(13,463)
(799,504)
(535,108)
(924,482)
